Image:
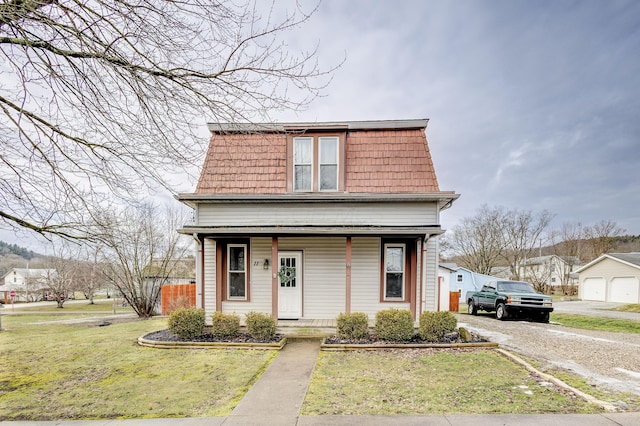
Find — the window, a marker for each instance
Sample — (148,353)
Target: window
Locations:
(236,271)
(459,278)
(316,163)
(328,171)
(302,164)
(394,264)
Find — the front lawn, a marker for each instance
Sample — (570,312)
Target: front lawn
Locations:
(53,371)
(430,382)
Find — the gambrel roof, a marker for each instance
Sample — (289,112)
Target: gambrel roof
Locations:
(380,157)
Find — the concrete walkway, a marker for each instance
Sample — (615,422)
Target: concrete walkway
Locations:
(277,397)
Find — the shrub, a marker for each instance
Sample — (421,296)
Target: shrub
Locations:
(434,325)
(352,326)
(226,326)
(394,325)
(261,326)
(187,323)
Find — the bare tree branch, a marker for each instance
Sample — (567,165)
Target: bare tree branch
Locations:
(101,99)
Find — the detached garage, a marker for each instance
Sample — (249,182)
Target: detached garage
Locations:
(613,277)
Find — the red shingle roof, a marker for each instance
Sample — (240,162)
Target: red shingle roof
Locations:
(384,161)
(244,164)
(389,161)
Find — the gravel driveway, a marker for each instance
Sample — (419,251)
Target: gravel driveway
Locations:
(607,359)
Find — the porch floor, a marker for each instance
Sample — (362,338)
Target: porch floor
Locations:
(307,327)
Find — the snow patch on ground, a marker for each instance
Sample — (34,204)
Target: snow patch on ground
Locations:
(492,336)
(633,374)
(598,379)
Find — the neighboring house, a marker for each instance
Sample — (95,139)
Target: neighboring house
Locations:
(464,280)
(163,272)
(444,278)
(550,272)
(613,277)
(502,272)
(308,220)
(28,284)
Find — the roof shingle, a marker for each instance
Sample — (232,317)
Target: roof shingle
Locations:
(376,161)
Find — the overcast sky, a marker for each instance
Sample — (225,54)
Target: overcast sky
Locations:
(532,104)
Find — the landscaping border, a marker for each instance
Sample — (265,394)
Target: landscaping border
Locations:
(159,344)
(376,346)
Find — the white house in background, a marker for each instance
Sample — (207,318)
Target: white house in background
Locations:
(550,271)
(612,277)
(444,286)
(464,280)
(308,220)
(27,283)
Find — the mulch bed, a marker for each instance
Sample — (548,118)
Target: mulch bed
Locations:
(448,339)
(168,336)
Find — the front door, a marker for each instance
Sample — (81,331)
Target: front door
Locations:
(289,285)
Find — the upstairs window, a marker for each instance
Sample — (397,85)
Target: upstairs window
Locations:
(328,171)
(302,164)
(316,163)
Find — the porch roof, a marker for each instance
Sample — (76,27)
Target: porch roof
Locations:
(248,231)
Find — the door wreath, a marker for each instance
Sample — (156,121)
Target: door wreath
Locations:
(287,274)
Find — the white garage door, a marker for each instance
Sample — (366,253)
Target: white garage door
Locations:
(624,290)
(594,289)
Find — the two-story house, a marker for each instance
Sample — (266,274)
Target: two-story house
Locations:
(308,220)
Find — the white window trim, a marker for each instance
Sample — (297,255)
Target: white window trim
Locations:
(302,164)
(337,162)
(229,272)
(403,270)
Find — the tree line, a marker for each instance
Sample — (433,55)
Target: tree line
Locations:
(498,237)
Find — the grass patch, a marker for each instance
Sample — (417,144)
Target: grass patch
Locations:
(597,323)
(54,371)
(628,308)
(430,382)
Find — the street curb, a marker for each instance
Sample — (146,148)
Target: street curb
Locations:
(590,399)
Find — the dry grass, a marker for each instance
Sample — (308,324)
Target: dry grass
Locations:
(53,371)
(430,382)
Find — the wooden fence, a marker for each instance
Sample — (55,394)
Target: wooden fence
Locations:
(177,295)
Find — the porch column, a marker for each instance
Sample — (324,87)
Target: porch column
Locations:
(199,271)
(274,277)
(219,277)
(348,277)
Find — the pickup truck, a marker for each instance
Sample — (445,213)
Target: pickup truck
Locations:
(510,299)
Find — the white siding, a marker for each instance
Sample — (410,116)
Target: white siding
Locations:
(365,277)
(324,272)
(300,214)
(431,277)
(260,284)
(209,278)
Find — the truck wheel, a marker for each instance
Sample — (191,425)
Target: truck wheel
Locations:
(501,312)
(544,317)
(472,308)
